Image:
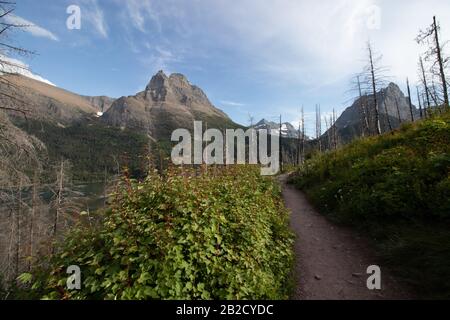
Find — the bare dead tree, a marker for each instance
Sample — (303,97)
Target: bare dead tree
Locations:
(365,117)
(356,86)
(420,102)
(21,156)
(398,111)
(433,93)
(65,201)
(299,142)
(35,205)
(281,146)
(388,119)
(328,133)
(424,81)
(331,131)
(10,66)
(319,127)
(426,109)
(374,79)
(431,38)
(372,72)
(251,120)
(303,134)
(409,100)
(59,197)
(18,226)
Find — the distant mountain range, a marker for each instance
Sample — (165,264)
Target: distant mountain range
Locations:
(171,102)
(95,132)
(393,107)
(287,129)
(98,133)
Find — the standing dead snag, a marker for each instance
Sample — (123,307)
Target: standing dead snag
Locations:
(281,146)
(409,100)
(33,219)
(9,66)
(362,109)
(424,82)
(59,198)
(299,141)
(335,136)
(441,62)
(319,127)
(375,102)
(303,135)
(387,114)
(398,111)
(420,103)
(425,108)
(328,132)
(374,79)
(434,54)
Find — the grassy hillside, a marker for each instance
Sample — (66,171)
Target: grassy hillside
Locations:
(221,235)
(396,189)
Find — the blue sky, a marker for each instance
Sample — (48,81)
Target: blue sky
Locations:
(262,58)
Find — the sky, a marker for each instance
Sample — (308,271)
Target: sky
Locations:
(251,57)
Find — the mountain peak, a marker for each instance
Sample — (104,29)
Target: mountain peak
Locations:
(160,73)
(178,76)
(287,129)
(157,88)
(393,85)
(263,122)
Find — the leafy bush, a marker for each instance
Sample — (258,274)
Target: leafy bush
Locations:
(221,235)
(396,188)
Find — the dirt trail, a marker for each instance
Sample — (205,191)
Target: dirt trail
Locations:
(331,261)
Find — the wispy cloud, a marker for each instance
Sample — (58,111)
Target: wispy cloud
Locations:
(232,103)
(159,58)
(95,16)
(140,13)
(31,27)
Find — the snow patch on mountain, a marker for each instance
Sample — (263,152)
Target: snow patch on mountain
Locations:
(14,66)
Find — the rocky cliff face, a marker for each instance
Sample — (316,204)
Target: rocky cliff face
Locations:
(166,104)
(393,105)
(101,103)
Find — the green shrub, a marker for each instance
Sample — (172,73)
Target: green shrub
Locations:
(221,235)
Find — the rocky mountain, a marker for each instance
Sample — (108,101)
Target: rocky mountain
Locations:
(101,103)
(100,133)
(287,129)
(393,108)
(166,104)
